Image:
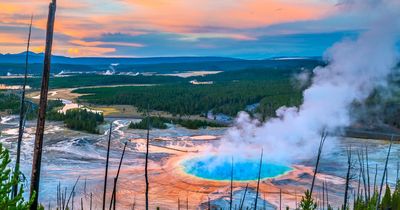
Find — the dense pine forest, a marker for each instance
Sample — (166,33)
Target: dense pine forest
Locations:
(75,119)
(230,93)
(74,81)
(160,123)
(9,102)
(78,119)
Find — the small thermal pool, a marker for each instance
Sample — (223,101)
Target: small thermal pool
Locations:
(213,168)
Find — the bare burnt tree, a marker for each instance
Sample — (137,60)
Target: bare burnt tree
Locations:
(146,175)
(231,193)
(90,202)
(113,196)
(106,170)
(280,199)
(376,174)
(244,197)
(22,111)
(368,175)
(362,170)
(38,145)
(346,196)
(384,173)
(321,145)
(258,179)
(72,193)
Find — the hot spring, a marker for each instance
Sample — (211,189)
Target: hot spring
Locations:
(215,168)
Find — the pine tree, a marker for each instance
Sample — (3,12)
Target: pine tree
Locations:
(7,180)
(396,197)
(307,202)
(386,200)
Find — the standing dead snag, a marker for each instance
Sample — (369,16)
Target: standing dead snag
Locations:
(347,178)
(280,199)
(106,171)
(243,198)
(384,173)
(22,112)
(258,180)
(113,196)
(231,194)
(38,145)
(90,203)
(72,194)
(146,175)
(368,178)
(321,145)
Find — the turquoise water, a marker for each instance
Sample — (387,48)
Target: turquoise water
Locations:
(210,167)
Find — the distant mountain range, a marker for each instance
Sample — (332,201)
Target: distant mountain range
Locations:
(38,58)
(15,64)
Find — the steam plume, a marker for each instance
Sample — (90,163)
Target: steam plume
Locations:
(355,68)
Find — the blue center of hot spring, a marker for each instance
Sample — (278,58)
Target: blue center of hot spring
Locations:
(213,168)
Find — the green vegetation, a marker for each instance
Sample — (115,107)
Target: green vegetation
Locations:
(93,80)
(389,200)
(78,119)
(160,123)
(7,180)
(230,94)
(307,202)
(9,102)
(154,122)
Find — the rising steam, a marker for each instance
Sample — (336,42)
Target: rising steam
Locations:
(355,68)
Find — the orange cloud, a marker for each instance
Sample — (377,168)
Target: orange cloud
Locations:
(98,43)
(194,19)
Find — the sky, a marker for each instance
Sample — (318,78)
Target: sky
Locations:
(250,29)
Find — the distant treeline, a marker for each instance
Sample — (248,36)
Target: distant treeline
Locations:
(94,80)
(160,123)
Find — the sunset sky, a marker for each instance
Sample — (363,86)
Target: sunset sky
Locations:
(143,28)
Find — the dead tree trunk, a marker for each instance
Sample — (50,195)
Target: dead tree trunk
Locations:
(147,160)
(90,203)
(243,198)
(280,199)
(231,194)
(368,175)
(22,112)
(347,178)
(38,145)
(71,195)
(321,145)
(376,174)
(113,196)
(106,171)
(384,173)
(258,180)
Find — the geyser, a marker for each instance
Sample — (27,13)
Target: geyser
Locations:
(207,167)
